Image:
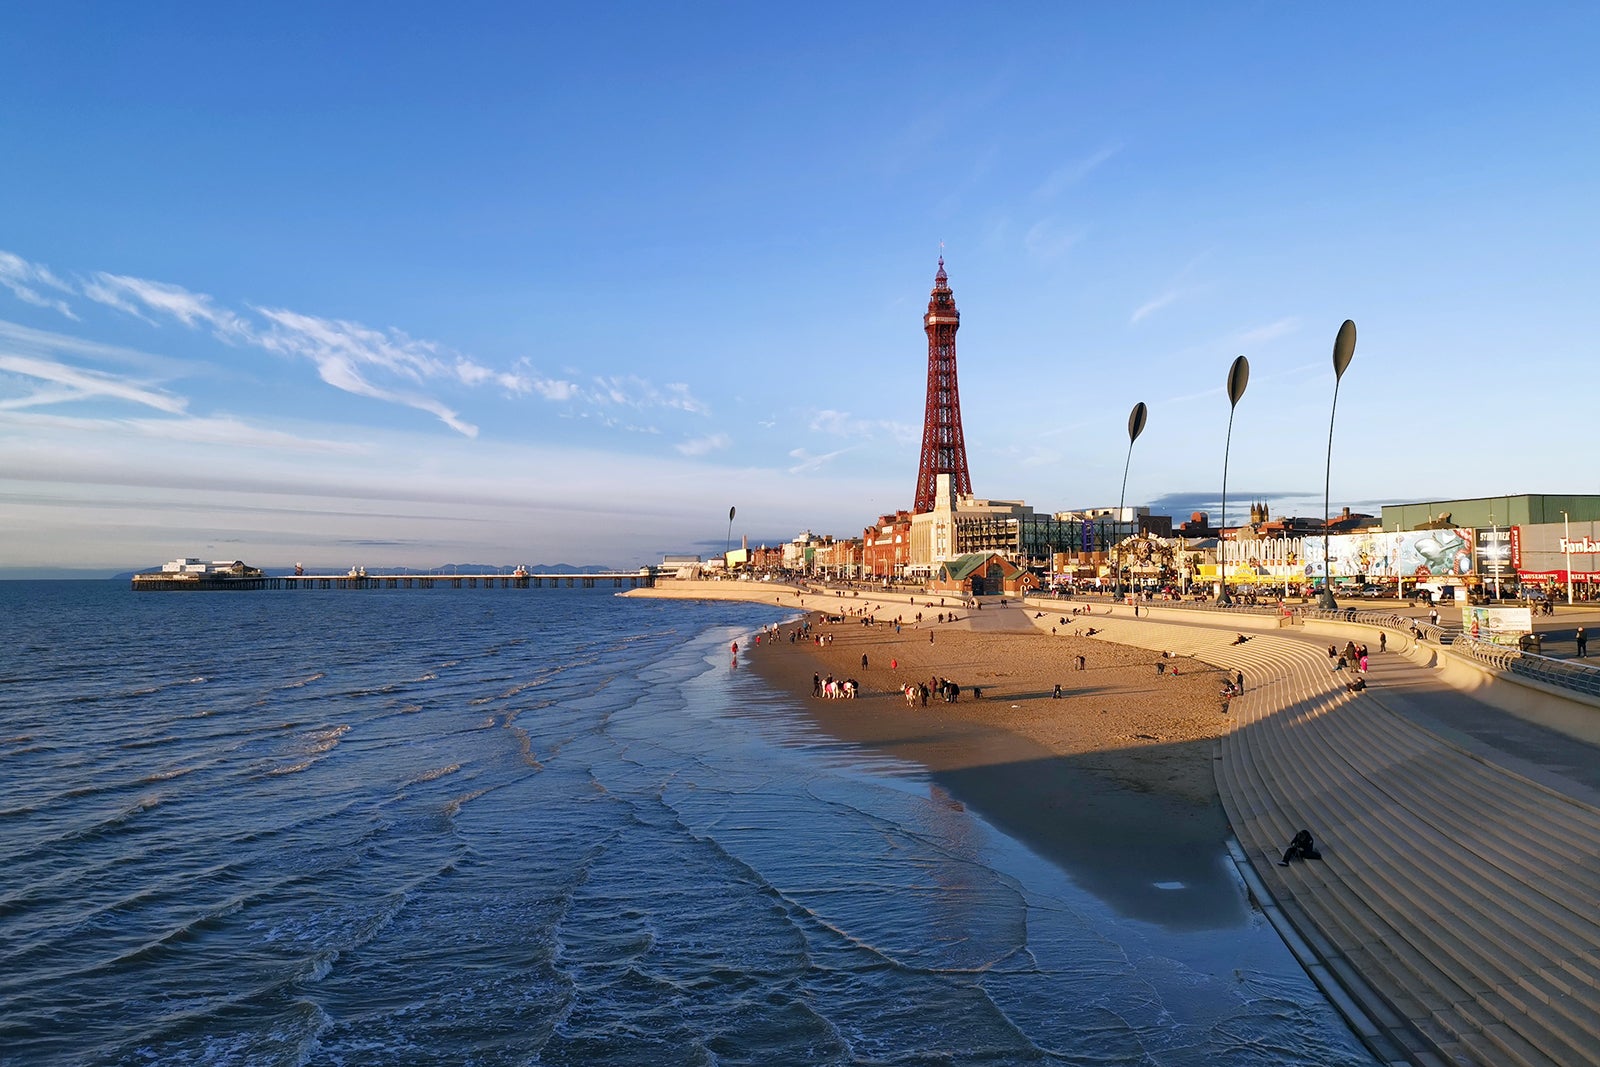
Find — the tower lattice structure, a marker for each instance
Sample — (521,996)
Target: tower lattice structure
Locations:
(944,449)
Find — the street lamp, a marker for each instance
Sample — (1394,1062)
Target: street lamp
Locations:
(1238,378)
(1344,348)
(1136,419)
(728,541)
(1566,535)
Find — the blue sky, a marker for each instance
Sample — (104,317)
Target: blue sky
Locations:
(399,285)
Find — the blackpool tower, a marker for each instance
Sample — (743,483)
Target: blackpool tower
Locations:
(944,450)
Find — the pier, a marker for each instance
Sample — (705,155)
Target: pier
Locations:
(166,582)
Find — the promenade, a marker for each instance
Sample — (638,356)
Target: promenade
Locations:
(1453,917)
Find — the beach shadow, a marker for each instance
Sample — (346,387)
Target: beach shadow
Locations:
(1151,857)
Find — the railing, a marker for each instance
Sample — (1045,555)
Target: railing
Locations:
(1188,605)
(1561,673)
(1423,631)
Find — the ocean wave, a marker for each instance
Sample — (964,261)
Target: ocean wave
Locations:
(109,824)
(453,807)
(433,775)
(301,683)
(165,776)
(150,742)
(309,749)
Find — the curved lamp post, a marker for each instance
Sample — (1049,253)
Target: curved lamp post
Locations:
(1238,378)
(1344,349)
(728,541)
(1136,419)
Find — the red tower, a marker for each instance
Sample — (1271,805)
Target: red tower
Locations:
(944,449)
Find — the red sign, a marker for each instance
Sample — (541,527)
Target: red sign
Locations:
(1516,547)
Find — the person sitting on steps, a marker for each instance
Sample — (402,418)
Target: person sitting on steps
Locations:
(1301,848)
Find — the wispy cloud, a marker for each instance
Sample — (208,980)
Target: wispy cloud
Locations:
(844,424)
(78,383)
(471,373)
(222,431)
(137,295)
(1269,332)
(383,364)
(1073,172)
(345,353)
(1179,288)
(805,462)
(635,392)
(1047,239)
(555,388)
(700,446)
(24,279)
(1150,307)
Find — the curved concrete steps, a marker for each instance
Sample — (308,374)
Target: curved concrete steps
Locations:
(1465,893)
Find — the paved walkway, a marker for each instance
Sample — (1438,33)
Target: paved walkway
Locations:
(1457,903)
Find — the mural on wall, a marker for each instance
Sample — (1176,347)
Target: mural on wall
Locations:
(1410,554)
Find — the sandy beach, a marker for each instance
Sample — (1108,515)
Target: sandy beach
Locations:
(1112,779)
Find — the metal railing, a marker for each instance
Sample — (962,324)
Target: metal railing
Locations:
(1422,631)
(1561,673)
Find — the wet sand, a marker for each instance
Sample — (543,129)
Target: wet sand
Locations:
(1113,780)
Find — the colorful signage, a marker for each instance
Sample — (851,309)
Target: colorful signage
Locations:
(1500,626)
(1494,554)
(1412,554)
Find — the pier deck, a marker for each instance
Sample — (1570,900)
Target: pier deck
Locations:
(616,579)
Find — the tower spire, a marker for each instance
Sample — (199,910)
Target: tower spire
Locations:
(944,449)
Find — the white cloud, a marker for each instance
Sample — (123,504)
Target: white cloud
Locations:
(805,462)
(1073,172)
(222,431)
(81,383)
(1046,239)
(555,388)
(345,351)
(1150,307)
(844,424)
(700,446)
(633,391)
(383,364)
(131,294)
(1269,332)
(24,278)
(472,373)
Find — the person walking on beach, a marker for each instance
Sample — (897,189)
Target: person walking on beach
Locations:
(863,661)
(1238,681)
(1383,640)
(816,685)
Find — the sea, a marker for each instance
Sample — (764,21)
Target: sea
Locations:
(537,826)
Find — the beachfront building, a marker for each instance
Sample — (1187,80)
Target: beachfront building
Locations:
(800,553)
(981,574)
(1068,546)
(1532,541)
(886,546)
(211,568)
(838,559)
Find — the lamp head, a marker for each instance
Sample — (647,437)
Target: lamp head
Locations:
(1136,421)
(1344,349)
(1238,378)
